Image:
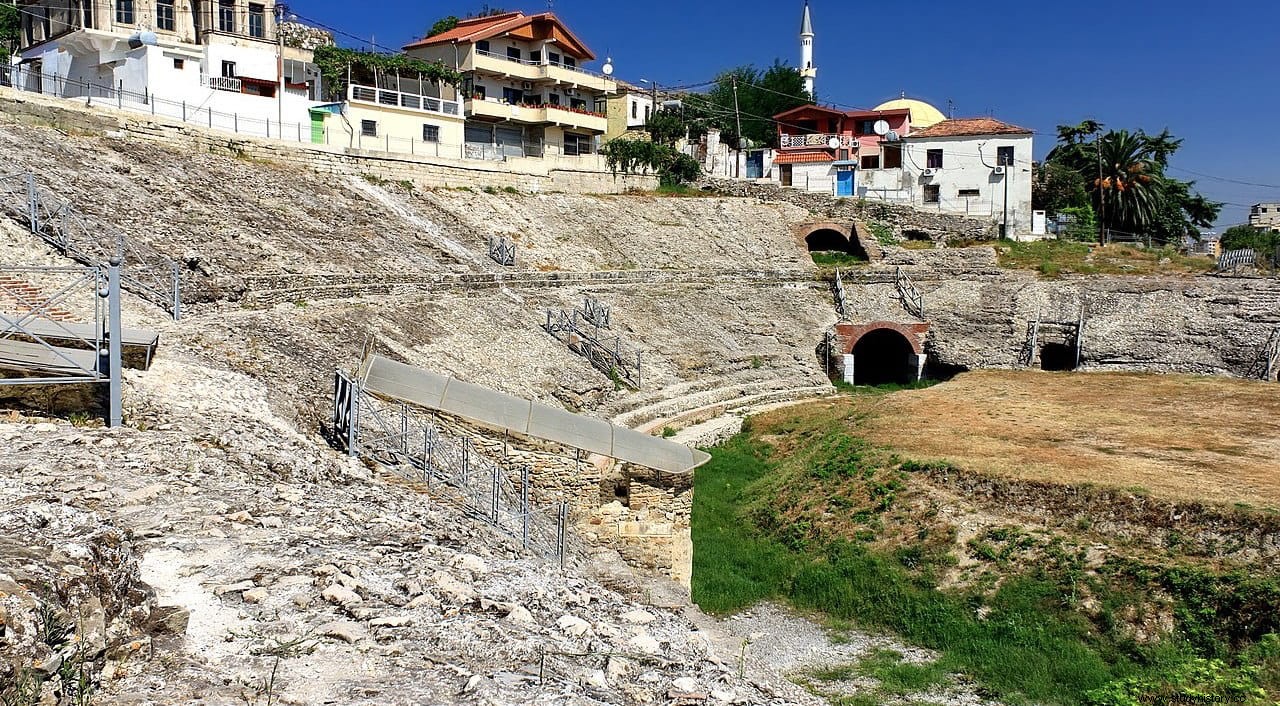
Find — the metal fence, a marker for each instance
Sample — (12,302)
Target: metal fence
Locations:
(502,251)
(911,297)
(40,342)
(304,132)
(143,271)
(405,440)
(608,355)
(1235,259)
(837,290)
(596,312)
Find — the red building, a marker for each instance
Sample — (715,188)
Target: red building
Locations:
(820,146)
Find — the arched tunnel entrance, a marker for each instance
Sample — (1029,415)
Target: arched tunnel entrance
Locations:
(1057,357)
(830,240)
(884,356)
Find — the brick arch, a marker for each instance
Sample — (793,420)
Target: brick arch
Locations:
(804,230)
(848,335)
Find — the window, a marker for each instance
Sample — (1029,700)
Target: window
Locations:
(892,157)
(257,20)
(513,53)
(579,104)
(932,193)
(842,155)
(228,69)
(635,110)
(554,58)
(647,111)
(369,128)
(535,57)
(164,15)
(430,133)
(576,144)
(969,193)
(870,161)
(179,64)
(1004,156)
(554,99)
(570,62)
(866,127)
(483,45)
(226,15)
(933,160)
(124,12)
(513,96)
(478,93)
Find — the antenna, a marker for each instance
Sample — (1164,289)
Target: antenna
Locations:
(951,109)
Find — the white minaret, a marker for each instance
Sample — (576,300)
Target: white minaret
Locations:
(807,71)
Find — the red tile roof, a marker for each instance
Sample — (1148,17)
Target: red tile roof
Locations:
(477,28)
(965,127)
(803,157)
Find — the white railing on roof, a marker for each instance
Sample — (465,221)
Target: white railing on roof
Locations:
(220,83)
(545,64)
(786,141)
(411,101)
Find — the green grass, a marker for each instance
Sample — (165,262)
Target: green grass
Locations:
(836,258)
(1023,649)
(900,678)
(1053,258)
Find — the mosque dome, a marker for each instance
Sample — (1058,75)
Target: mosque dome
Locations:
(923,115)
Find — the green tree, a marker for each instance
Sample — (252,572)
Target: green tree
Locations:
(442,25)
(760,96)
(1124,175)
(1250,238)
(1056,187)
(10,30)
(666,126)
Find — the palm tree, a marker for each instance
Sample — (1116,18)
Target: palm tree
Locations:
(1130,183)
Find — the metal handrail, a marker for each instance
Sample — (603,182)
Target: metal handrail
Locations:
(912,298)
(401,99)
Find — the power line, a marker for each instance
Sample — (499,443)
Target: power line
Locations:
(1225,179)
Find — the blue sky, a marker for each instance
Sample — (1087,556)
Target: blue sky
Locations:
(1210,72)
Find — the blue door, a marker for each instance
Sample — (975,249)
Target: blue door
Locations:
(844,183)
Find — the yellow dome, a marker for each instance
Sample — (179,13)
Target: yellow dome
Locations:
(923,115)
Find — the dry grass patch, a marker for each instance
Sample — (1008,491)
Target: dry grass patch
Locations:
(1177,437)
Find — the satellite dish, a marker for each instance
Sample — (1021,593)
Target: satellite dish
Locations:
(834,143)
(881,127)
(608,67)
(892,136)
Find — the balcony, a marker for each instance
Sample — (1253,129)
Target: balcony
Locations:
(817,141)
(406,101)
(528,70)
(221,83)
(539,114)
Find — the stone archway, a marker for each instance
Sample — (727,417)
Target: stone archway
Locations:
(881,352)
(830,237)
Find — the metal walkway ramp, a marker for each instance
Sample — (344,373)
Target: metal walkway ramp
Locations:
(507,413)
(35,358)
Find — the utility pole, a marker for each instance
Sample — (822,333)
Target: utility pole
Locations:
(1008,174)
(1102,193)
(280,66)
(737,169)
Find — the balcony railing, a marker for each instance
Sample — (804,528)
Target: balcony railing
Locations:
(409,101)
(220,83)
(545,69)
(816,140)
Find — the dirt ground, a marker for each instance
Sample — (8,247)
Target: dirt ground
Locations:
(1179,437)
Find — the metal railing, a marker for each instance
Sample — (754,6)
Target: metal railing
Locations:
(221,83)
(404,440)
(911,297)
(1267,366)
(786,141)
(837,290)
(608,355)
(596,312)
(410,101)
(143,271)
(1235,259)
(502,251)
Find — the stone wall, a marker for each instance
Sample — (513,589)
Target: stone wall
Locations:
(423,172)
(902,219)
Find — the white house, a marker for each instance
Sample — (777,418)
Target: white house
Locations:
(975,166)
(216,56)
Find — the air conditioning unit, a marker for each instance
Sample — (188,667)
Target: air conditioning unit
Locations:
(930,172)
(1000,169)
(526,85)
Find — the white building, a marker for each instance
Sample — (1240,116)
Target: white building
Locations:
(977,166)
(216,56)
(1265,216)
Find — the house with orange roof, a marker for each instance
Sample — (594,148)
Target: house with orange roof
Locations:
(905,151)
(527,90)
